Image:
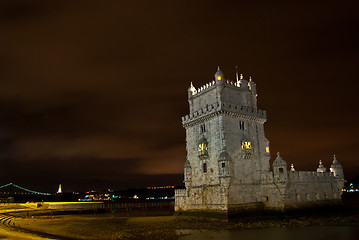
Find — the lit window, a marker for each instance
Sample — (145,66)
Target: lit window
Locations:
(188,176)
(219,78)
(202,147)
(246,145)
(267,149)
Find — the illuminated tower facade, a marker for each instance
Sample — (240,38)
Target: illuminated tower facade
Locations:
(227,167)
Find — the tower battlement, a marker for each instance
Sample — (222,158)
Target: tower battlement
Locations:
(310,176)
(208,86)
(240,83)
(211,110)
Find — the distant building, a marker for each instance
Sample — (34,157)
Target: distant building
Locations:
(59,190)
(227,167)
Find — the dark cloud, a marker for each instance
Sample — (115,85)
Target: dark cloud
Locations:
(103,86)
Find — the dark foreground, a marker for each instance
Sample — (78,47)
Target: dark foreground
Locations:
(164,225)
(110,226)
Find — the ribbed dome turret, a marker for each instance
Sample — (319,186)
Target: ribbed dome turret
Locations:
(252,85)
(279,162)
(244,85)
(280,169)
(321,167)
(219,76)
(335,163)
(337,168)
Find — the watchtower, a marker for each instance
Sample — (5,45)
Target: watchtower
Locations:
(225,141)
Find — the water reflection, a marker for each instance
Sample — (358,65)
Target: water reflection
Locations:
(305,233)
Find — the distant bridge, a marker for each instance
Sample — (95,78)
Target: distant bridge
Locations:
(24,189)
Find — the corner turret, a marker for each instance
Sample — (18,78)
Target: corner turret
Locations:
(252,86)
(243,84)
(321,167)
(219,76)
(187,173)
(280,169)
(336,168)
(223,163)
(191,91)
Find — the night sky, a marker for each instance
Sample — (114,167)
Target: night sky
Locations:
(92,92)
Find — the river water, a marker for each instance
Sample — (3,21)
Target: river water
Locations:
(304,233)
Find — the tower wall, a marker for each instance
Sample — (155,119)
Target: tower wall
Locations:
(309,188)
(194,135)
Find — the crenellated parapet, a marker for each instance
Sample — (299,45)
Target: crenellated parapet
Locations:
(215,109)
(241,85)
(336,172)
(302,176)
(310,176)
(203,89)
(180,192)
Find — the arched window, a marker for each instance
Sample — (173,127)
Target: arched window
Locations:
(246,145)
(246,149)
(204,167)
(203,148)
(203,128)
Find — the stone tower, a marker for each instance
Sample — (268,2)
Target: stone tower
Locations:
(227,168)
(226,145)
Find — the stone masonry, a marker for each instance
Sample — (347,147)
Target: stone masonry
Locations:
(227,168)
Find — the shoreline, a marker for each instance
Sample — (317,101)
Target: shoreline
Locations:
(160,223)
